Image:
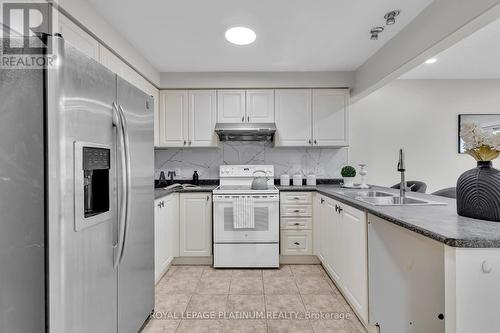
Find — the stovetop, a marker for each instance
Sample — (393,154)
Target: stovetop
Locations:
(243,189)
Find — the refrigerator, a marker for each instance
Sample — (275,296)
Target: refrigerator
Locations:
(76,198)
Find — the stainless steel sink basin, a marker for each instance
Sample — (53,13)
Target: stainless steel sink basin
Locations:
(398,201)
(373,194)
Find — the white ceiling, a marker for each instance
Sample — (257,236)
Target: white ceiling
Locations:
(475,57)
(292,35)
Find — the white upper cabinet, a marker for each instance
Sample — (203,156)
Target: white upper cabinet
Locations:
(77,37)
(202,118)
(173,118)
(330,117)
(187,118)
(231,106)
(260,106)
(293,117)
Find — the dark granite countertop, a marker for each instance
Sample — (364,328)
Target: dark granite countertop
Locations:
(441,223)
(160,192)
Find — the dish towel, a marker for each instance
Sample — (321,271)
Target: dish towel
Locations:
(243,213)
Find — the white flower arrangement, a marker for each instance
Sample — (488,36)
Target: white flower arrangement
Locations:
(482,145)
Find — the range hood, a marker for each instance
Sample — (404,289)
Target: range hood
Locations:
(245,131)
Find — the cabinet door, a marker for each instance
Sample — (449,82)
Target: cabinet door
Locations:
(334,239)
(161,242)
(330,117)
(320,228)
(293,117)
(195,224)
(202,118)
(355,248)
(77,37)
(260,106)
(231,106)
(171,209)
(173,118)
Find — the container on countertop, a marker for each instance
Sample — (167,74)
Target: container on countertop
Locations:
(285,180)
(311,179)
(297,179)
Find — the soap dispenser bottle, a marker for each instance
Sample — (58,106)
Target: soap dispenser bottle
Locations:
(196,178)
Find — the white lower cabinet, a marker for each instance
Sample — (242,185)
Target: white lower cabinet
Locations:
(342,248)
(295,242)
(195,224)
(166,232)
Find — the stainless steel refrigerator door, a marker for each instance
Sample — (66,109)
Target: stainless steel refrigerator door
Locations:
(83,289)
(22,272)
(136,270)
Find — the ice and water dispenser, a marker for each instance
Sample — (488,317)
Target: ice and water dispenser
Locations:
(92,192)
(95,180)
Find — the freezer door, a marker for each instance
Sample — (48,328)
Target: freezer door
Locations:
(82,229)
(22,246)
(136,269)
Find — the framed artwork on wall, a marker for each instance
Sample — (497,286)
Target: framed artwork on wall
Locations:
(489,122)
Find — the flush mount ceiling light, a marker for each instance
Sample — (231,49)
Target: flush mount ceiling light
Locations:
(240,35)
(390,17)
(375,31)
(431,61)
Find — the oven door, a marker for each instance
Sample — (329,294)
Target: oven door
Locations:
(266,212)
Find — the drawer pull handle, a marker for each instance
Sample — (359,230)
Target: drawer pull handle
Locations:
(297,223)
(296,211)
(296,198)
(296,243)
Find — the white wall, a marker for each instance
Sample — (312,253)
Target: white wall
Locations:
(420,116)
(98,25)
(257,80)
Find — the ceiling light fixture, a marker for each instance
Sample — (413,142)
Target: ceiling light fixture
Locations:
(431,61)
(240,35)
(390,17)
(375,31)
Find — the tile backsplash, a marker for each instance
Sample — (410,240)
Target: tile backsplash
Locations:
(324,162)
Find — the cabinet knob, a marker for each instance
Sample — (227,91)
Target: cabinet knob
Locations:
(310,142)
(296,211)
(322,200)
(315,142)
(340,209)
(248,118)
(189,143)
(242,119)
(184,142)
(296,198)
(208,198)
(296,243)
(486,266)
(296,223)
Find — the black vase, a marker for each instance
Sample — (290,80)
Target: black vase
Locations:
(478,192)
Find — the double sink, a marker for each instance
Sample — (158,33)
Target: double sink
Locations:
(380,198)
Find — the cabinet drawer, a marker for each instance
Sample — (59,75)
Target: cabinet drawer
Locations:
(296,223)
(296,242)
(296,198)
(296,210)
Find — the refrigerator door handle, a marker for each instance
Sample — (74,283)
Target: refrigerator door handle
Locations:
(127,181)
(117,121)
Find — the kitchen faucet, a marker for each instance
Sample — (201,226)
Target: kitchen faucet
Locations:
(401,168)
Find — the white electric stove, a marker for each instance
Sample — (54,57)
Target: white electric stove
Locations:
(255,246)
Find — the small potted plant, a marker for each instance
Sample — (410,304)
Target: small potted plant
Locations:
(348,173)
(478,190)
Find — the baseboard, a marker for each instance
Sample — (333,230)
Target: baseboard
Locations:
(299,260)
(179,261)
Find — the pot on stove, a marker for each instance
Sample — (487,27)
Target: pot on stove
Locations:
(260,182)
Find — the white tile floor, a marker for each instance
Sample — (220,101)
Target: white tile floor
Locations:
(204,299)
